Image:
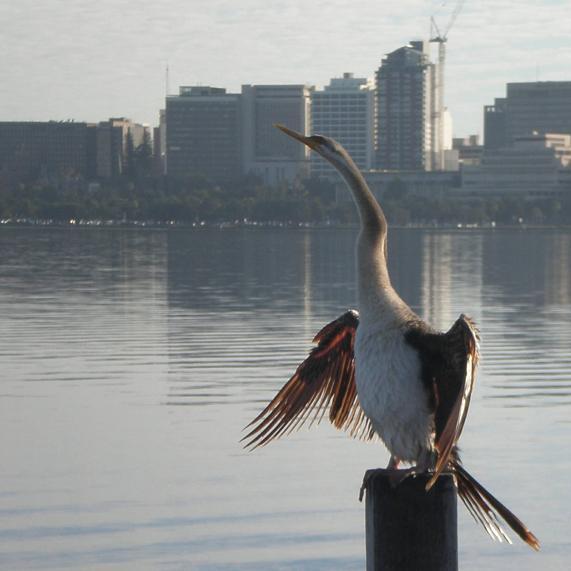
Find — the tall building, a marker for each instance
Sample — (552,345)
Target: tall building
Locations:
(112,144)
(29,150)
(406,110)
(344,110)
(495,131)
(203,134)
(542,106)
(267,152)
(533,166)
(160,145)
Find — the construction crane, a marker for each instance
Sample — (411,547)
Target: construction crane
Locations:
(440,38)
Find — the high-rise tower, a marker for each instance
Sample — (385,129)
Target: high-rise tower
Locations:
(405,123)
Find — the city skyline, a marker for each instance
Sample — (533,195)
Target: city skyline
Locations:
(84,62)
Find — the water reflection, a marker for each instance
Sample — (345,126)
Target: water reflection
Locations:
(257,297)
(132,361)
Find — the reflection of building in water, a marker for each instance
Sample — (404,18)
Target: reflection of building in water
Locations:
(527,266)
(451,277)
(405,267)
(436,279)
(307,283)
(557,270)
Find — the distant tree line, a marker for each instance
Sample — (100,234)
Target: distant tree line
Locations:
(139,195)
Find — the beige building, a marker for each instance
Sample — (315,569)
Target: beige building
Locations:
(111,142)
(266,151)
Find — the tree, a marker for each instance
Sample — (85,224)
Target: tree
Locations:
(143,157)
(129,159)
(396,190)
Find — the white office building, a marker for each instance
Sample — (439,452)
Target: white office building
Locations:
(266,151)
(344,110)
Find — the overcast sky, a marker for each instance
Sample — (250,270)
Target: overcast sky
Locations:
(90,60)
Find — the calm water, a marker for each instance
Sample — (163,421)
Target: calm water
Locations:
(131,361)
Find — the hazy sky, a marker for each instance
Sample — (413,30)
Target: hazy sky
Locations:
(90,60)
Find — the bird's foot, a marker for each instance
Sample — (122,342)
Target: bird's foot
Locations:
(394,475)
(394,462)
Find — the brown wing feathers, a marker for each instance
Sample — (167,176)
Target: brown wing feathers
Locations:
(485,508)
(461,354)
(326,379)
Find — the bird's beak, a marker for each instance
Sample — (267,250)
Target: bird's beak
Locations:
(298,136)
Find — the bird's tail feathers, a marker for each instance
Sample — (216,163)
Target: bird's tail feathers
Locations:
(485,509)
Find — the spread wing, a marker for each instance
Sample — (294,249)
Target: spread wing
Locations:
(324,381)
(453,385)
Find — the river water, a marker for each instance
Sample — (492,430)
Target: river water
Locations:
(132,359)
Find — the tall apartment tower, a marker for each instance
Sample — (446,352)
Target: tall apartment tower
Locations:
(203,131)
(344,110)
(267,152)
(538,106)
(406,129)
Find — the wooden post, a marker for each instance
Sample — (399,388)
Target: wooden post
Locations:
(408,528)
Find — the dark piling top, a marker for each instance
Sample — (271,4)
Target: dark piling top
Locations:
(408,528)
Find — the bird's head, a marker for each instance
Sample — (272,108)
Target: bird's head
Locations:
(328,148)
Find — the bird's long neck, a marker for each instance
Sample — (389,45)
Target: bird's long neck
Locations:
(374,285)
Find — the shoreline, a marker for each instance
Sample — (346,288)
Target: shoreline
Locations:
(250,225)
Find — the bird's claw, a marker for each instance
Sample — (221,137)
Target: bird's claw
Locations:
(394,476)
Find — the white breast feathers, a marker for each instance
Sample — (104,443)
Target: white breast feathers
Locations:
(391,392)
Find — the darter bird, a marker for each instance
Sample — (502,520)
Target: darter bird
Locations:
(383,371)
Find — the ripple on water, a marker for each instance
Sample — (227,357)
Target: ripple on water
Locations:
(132,361)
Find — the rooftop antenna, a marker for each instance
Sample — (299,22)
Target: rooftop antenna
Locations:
(167,86)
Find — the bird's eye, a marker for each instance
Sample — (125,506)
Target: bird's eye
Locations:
(320,140)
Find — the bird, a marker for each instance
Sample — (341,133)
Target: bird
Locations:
(381,371)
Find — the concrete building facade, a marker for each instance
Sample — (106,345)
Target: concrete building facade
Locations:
(29,149)
(534,166)
(266,151)
(344,110)
(203,134)
(541,106)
